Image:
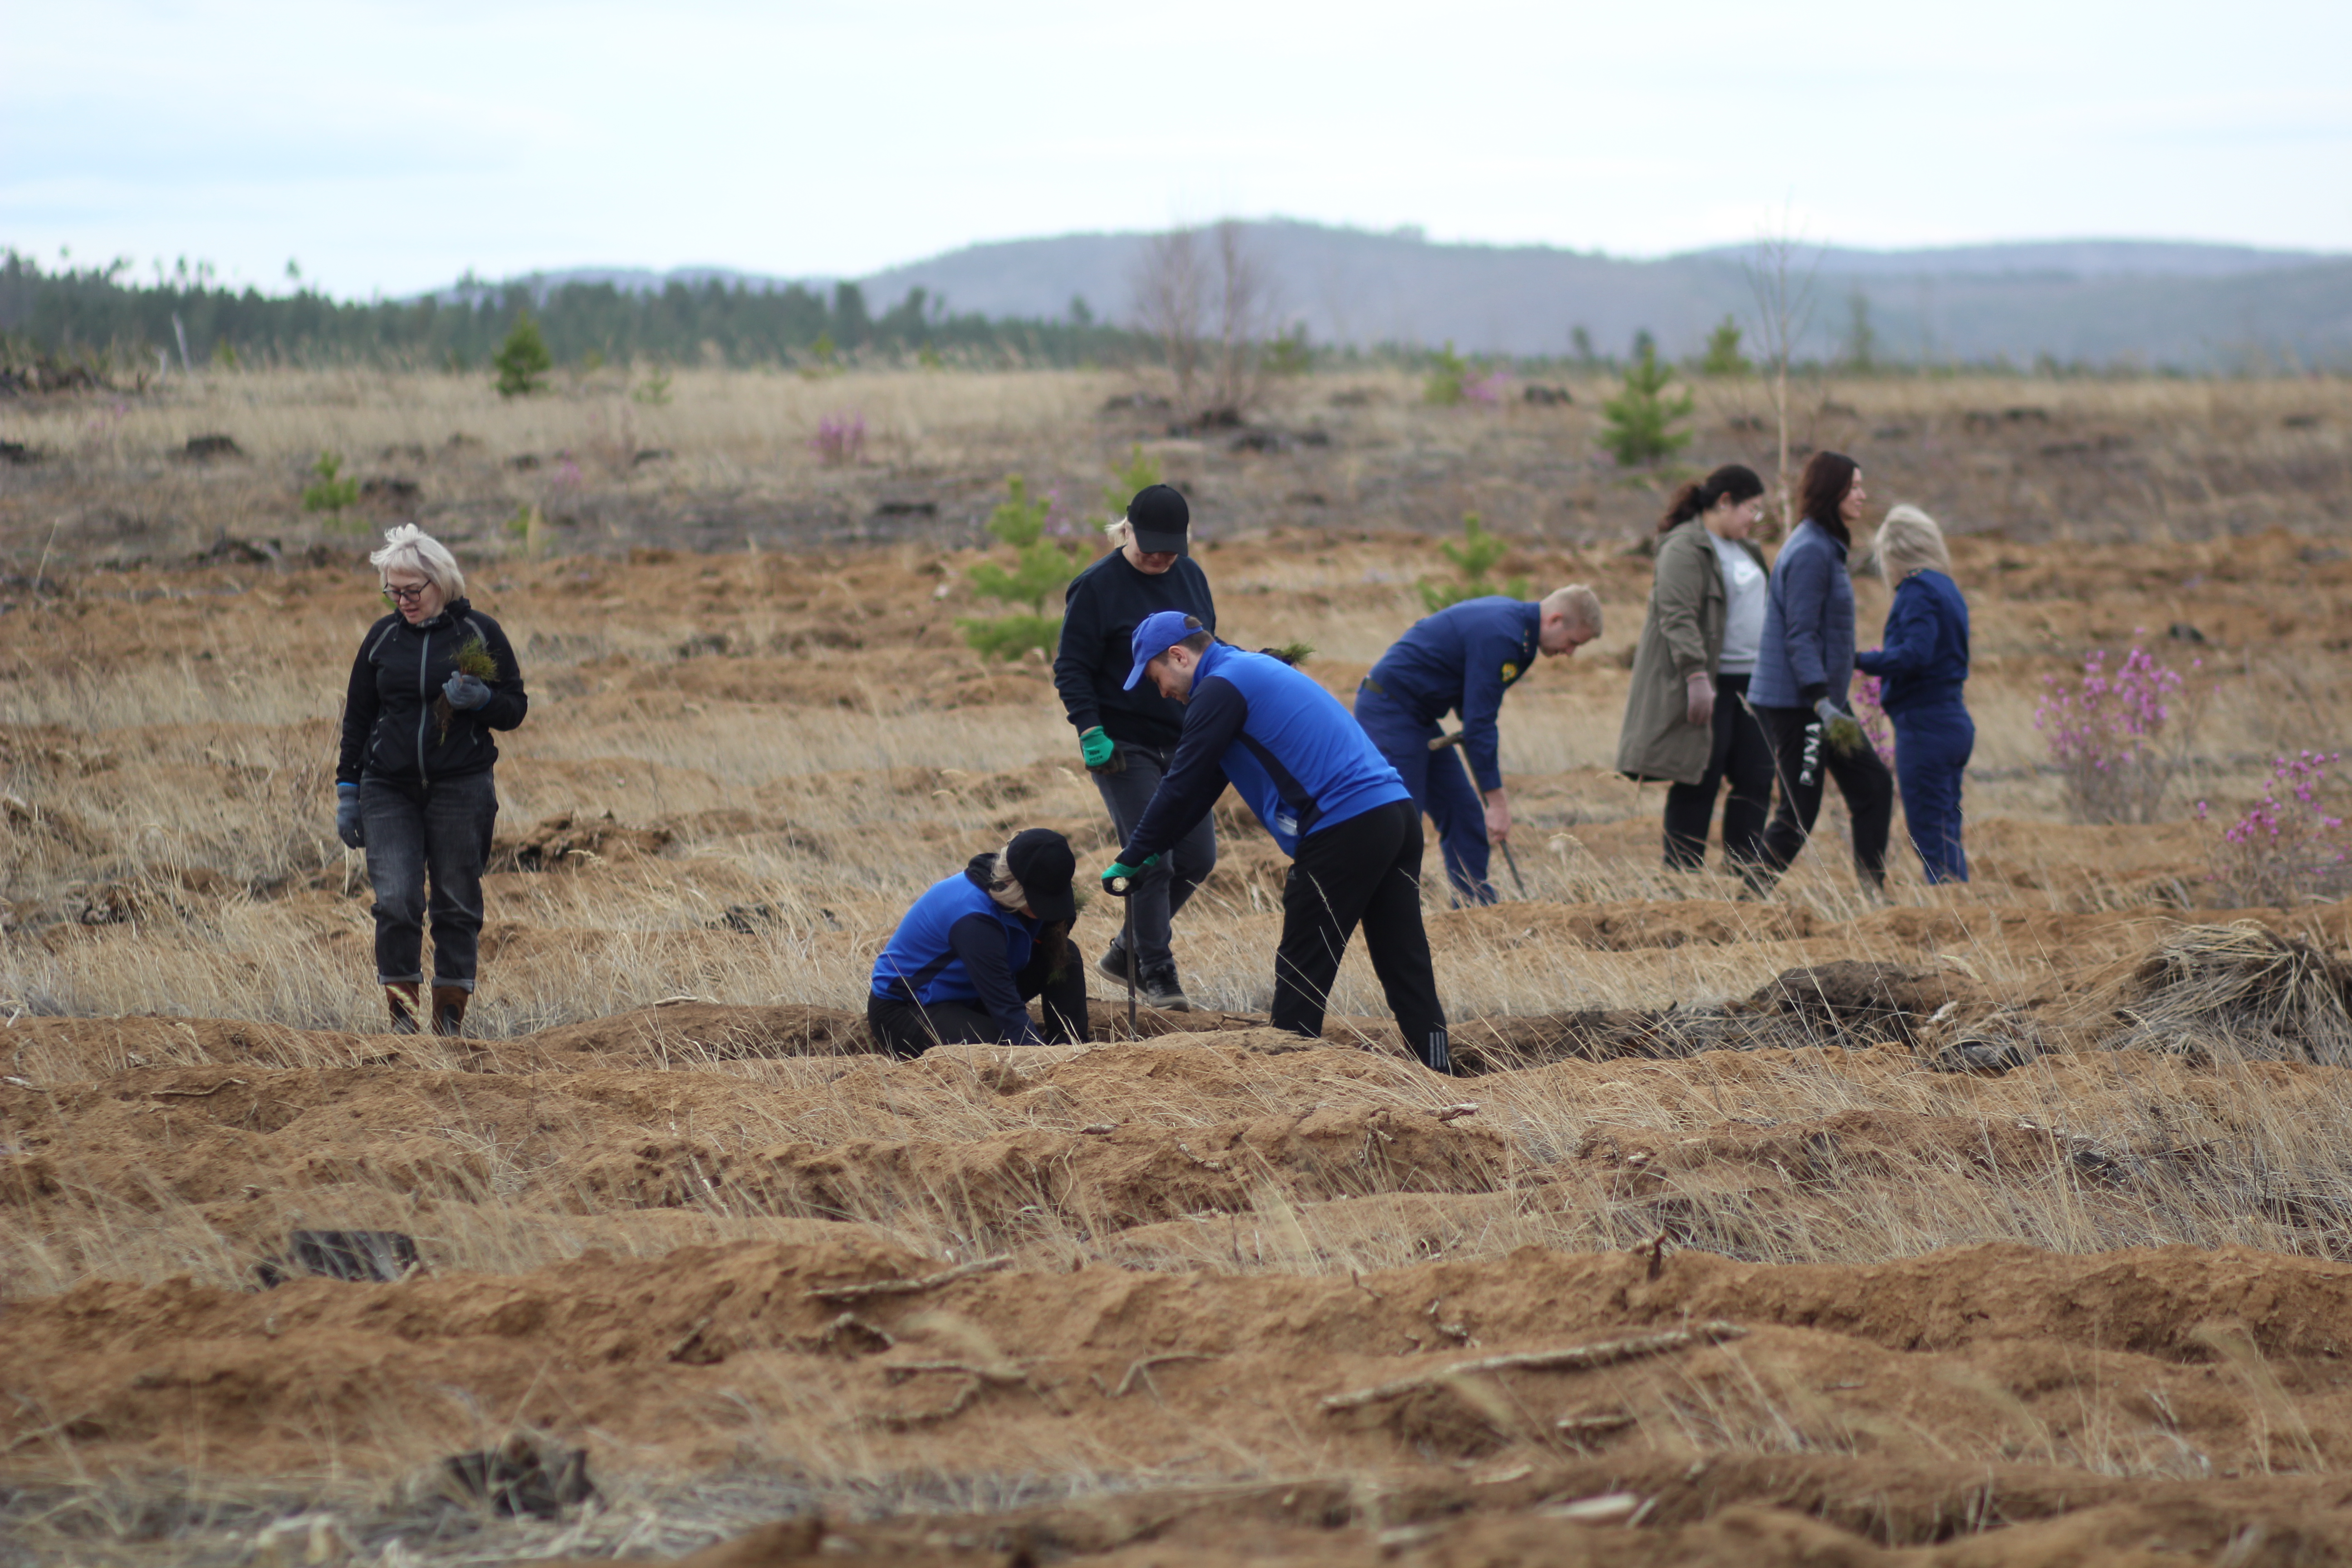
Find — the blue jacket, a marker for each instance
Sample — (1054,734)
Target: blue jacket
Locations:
(1462,658)
(1808,650)
(1299,759)
(1925,659)
(957,944)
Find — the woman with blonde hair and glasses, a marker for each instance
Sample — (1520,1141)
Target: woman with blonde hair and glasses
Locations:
(1922,667)
(413,785)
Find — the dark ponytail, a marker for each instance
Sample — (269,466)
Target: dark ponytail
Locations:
(1736,480)
(1828,476)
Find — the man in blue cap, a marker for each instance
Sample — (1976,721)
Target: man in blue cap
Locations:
(1323,791)
(1462,660)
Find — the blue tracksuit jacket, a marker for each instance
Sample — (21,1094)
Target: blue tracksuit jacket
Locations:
(957,944)
(1808,647)
(1924,660)
(1462,658)
(1299,759)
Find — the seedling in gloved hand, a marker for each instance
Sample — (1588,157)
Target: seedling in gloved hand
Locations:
(474,658)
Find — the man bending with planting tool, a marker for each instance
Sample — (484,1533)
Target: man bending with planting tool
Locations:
(1462,658)
(1322,790)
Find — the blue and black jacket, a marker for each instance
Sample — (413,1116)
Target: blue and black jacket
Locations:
(1298,758)
(391,726)
(1807,651)
(1462,660)
(1926,660)
(957,944)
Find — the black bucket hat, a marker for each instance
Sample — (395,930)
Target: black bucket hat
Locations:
(1041,862)
(1161,520)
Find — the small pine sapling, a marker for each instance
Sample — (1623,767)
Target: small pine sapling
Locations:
(1473,558)
(1443,385)
(1139,472)
(474,658)
(1041,568)
(654,391)
(333,490)
(522,360)
(1723,356)
(1637,424)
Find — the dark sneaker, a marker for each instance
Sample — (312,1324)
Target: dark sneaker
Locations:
(1160,990)
(1112,964)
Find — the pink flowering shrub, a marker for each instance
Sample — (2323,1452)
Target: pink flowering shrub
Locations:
(1876,728)
(1486,387)
(2286,846)
(2108,734)
(840,437)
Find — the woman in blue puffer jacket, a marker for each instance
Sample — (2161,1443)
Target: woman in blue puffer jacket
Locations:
(1923,664)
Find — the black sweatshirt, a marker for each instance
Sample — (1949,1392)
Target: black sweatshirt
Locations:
(390,728)
(1104,606)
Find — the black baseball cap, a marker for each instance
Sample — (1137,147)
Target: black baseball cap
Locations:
(1160,520)
(1041,862)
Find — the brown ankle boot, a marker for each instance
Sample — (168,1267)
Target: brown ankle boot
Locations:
(404,1000)
(449,1009)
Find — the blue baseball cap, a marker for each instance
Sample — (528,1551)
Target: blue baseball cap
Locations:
(1160,631)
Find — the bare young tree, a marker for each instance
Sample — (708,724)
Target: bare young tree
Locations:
(1784,306)
(1170,295)
(1209,300)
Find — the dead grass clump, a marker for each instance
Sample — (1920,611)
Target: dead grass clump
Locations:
(2241,988)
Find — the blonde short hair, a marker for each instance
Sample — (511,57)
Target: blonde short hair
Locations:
(1908,542)
(1581,604)
(412,549)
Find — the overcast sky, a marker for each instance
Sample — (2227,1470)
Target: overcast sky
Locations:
(391,147)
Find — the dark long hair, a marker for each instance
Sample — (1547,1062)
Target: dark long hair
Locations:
(1828,476)
(1736,480)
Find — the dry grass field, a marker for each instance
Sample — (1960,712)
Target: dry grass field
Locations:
(2005,1223)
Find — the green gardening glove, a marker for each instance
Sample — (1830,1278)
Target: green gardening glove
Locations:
(1096,748)
(1119,871)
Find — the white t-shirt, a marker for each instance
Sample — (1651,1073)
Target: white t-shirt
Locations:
(1743,627)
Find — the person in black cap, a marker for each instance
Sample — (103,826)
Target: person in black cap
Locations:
(969,954)
(1127,736)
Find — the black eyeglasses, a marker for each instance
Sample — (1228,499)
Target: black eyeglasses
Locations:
(405,595)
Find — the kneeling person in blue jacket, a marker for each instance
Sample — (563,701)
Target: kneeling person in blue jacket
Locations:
(1324,792)
(1464,658)
(965,959)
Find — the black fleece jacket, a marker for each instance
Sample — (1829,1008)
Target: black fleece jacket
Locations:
(390,728)
(1101,609)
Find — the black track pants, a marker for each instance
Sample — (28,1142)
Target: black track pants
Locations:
(1803,757)
(1365,870)
(1740,754)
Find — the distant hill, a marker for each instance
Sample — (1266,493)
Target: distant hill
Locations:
(2159,304)
(2106,302)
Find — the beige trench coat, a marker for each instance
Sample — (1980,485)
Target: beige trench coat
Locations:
(1683,636)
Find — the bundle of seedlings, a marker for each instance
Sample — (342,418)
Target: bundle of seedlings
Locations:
(474,658)
(2242,988)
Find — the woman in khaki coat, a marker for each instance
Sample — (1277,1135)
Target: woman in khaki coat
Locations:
(1686,722)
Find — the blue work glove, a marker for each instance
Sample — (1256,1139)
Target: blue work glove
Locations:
(1119,871)
(464,691)
(1827,713)
(1098,749)
(348,826)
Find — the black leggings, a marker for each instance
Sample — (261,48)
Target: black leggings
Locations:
(1743,754)
(1365,870)
(906,1029)
(1802,756)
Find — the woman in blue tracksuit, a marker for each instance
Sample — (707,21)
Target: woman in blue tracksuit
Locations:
(1925,663)
(1804,664)
(965,959)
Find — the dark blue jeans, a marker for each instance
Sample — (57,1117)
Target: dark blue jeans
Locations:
(1440,785)
(1163,891)
(1931,752)
(438,830)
